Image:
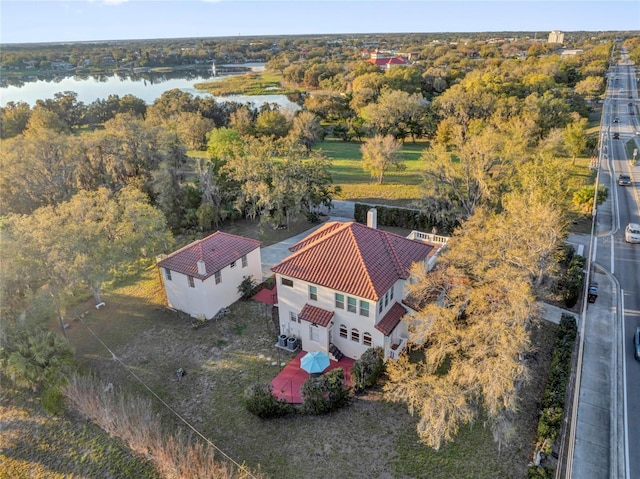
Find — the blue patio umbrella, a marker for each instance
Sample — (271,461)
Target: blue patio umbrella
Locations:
(314,362)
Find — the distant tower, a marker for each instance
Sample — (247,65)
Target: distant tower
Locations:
(556,36)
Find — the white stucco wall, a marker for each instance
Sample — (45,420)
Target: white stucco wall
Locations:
(293,299)
(206,297)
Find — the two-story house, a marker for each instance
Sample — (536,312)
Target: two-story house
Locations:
(341,289)
(203,277)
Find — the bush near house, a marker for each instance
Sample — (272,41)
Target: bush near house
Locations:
(550,421)
(260,400)
(325,393)
(366,370)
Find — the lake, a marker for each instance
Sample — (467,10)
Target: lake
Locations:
(148,89)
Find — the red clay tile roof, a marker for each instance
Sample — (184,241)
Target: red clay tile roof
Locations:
(387,61)
(387,324)
(217,251)
(353,258)
(315,315)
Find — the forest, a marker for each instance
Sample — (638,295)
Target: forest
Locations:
(91,193)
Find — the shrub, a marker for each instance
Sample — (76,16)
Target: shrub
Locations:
(366,370)
(325,393)
(259,400)
(538,472)
(550,421)
(573,280)
(34,357)
(52,400)
(246,287)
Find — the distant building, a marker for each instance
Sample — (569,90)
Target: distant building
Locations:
(386,60)
(556,36)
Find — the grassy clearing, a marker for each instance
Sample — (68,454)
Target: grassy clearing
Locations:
(369,438)
(400,187)
(36,445)
(249,84)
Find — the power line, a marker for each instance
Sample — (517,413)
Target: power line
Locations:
(207,440)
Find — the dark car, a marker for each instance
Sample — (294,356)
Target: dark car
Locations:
(624,180)
(636,342)
(616,136)
(630,103)
(616,120)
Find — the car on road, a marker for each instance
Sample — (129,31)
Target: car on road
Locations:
(624,180)
(636,343)
(630,103)
(616,136)
(632,233)
(616,120)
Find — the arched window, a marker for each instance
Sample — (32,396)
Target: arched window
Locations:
(343,331)
(366,339)
(355,335)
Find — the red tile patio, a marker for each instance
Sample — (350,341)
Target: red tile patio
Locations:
(268,296)
(288,383)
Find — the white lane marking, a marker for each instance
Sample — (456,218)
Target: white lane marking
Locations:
(624,388)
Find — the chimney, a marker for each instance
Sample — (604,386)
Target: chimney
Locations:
(202,269)
(372,218)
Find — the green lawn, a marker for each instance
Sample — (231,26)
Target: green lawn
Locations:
(399,187)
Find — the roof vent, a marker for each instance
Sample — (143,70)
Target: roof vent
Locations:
(202,269)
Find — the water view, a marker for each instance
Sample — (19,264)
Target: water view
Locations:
(146,88)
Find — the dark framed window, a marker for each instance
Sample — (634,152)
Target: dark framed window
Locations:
(366,339)
(286,282)
(233,265)
(343,331)
(167,274)
(192,284)
(339,300)
(351,304)
(364,308)
(218,277)
(313,293)
(355,335)
(244,261)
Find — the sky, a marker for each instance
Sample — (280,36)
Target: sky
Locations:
(26,21)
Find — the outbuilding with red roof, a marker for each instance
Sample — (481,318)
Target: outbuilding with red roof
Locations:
(203,277)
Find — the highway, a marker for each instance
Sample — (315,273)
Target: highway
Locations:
(620,258)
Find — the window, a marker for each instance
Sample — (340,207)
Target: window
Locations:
(381,305)
(233,265)
(343,331)
(167,274)
(313,293)
(364,308)
(293,317)
(314,334)
(366,339)
(386,298)
(391,293)
(286,282)
(218,277)
(355,335)
(191,283)
(244,261)
(351,304)
(340,301)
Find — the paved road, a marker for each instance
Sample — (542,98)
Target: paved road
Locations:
(609,405)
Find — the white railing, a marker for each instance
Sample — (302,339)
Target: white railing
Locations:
(393,352)
(428,237)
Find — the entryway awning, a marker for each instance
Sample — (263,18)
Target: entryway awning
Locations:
(315,315)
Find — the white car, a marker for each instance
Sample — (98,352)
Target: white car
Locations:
(632,233)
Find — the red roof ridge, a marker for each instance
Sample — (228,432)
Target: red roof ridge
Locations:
(362,261)
(329,228)
(392,252)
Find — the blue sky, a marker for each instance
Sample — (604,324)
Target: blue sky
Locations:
(25,21)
